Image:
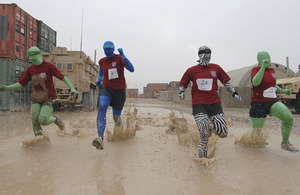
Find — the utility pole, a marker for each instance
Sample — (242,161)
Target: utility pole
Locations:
(81,33)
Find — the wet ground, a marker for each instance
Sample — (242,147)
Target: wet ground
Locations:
(152,154)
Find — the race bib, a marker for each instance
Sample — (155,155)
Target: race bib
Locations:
(204,84)
(112,74)
(270,93)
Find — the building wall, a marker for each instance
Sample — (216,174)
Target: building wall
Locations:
(153,89)
(132,93)
(18,32)
(174,85)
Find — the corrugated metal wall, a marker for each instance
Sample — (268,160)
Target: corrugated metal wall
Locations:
(10,72)
(46,37)
(18,32)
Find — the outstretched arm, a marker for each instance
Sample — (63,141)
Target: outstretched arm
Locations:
(127,62)
(286,91)
(231,89)
(10,87)
(70,85)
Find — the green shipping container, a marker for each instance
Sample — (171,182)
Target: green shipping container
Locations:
(10,72)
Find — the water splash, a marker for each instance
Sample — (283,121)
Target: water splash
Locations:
(177,124)
(256,140)
(125,130)
(36,141)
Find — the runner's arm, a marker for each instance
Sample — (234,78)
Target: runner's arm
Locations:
(129,65)
(10,87)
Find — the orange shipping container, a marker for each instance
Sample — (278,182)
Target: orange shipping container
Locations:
(18,32)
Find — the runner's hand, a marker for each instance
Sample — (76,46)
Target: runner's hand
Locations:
(266,63)
(120,50)
(181,92)
(3,88)
(286,91)
(182,95)
(98,83)
(73,90)
(237,98)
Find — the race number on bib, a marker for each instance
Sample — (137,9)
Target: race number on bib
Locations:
(270,93)
(204,84)
(112,73)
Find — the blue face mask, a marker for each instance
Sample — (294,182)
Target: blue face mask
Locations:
(109,52)
(109,49)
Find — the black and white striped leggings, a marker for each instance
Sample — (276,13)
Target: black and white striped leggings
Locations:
(219,128)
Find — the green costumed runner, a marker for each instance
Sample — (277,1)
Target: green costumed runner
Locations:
(43,92)
(264,100)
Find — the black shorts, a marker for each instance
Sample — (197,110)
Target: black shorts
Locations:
(117,97)
(261,109)
(209,109)
(46,103)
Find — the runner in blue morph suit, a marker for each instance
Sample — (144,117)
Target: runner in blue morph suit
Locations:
(112,85)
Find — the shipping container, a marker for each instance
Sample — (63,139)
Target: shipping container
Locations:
(46,38)
(18,32)
(10,71)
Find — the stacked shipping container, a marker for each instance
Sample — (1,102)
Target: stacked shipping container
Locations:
(18,32)
(46,37)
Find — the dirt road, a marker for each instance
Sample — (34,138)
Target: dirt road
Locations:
(147,159)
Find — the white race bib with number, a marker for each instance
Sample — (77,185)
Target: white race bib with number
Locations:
(112,73)
(270,93)
(204,84)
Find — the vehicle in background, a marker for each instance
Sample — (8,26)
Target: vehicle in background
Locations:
(293,100)
(83,74)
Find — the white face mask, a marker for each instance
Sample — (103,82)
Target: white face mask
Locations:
(204,59)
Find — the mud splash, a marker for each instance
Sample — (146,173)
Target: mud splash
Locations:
(190,138)
(36,141)
(127,130)
(78,128)
(253,139)
(177,124)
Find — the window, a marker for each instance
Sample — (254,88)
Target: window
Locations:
(3,28)
(69,67)
(17,27)
(22,31)
(59,66)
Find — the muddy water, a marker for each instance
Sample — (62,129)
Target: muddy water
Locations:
(149,158)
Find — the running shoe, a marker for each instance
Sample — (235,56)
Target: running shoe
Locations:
(288,146)
(38,133)
(59,123)
(98,143)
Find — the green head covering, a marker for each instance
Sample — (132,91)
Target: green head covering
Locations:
(264,58)
(35,55)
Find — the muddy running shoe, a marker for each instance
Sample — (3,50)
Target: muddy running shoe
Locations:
(98,143)
(288,146)
(38,133)
(59,123)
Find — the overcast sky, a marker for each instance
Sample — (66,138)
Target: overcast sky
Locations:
(161,37)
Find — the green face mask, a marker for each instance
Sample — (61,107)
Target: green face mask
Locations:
(36,59)
(35,55)
(264,57)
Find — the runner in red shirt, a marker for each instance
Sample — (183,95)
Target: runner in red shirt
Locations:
(265,101)
(112,84)
(205,99)
(43,92)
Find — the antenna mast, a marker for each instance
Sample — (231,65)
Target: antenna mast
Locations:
(81,33)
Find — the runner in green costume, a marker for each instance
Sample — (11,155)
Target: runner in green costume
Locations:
(43,92)
(265,101)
